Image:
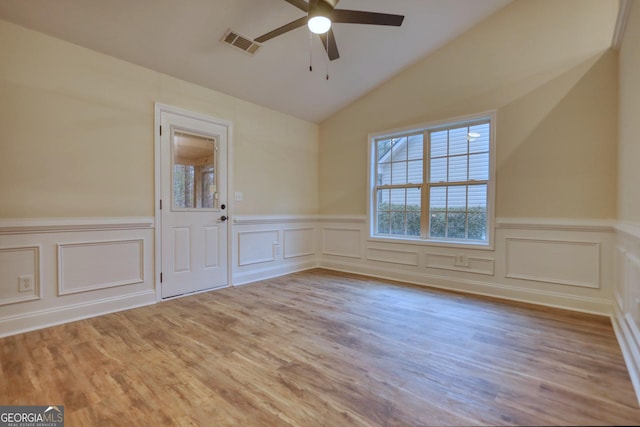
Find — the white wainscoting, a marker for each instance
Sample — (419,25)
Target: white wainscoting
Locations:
(257,246)
(299,242)
(88,266)
(81,267)
(564,262)
(561,263)
(265,246)
(626,317)
(16,262)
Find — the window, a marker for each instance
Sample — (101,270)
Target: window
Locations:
(433,182)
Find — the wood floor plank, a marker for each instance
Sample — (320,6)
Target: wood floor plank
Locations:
(324,348)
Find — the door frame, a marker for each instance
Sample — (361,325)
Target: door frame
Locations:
(163,108)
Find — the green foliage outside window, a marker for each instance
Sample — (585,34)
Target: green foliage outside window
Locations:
(453,224)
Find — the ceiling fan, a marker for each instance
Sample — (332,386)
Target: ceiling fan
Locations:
(322,13)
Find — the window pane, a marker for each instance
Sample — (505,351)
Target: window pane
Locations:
(456,225)
(437,223)
(398,199)
(457,198)
(383,223)
(399,150)
(480,143)
(416,147)
(384,174)
(183,187)
(397,223)
(194,179)
(208,189)
(383,200)
(415,171)
(479,166)
(477,224)
(399,173)
(477,198)
(458,141)
(438,198)
(438,144)
(458,175)
(413,199)
(413,223)
(384,155)
(458,168)
(438,172)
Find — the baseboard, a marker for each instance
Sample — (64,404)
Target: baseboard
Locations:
(629,340)
(597,306)
(243,278)
(17,324)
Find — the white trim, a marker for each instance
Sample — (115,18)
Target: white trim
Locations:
(582,304)
(272,219)
(298,254)
(556,224)
(37,273)
(628,339)
(629,228)
(292,219)
(551,280)
(492,116)
(54,225)
(160,108)
(61,271)
(271,257)
(243,278)
(621,23)
(33,320)
(463,269)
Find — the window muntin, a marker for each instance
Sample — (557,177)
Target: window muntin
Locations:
(433,183)
(400,173)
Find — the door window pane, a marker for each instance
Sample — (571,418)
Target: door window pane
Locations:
(194,178)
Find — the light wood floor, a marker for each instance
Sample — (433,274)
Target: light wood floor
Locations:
(322,348)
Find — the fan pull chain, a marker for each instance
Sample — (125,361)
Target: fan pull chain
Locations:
(310,51)
(328,60)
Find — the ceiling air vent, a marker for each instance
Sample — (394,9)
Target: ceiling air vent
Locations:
(240,42)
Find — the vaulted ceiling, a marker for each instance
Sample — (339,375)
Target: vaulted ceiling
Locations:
(183,39)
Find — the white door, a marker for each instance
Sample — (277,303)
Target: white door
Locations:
(193,157)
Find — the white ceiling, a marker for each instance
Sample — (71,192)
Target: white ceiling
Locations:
(182,39)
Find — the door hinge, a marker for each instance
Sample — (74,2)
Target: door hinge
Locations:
(160,130)
(160,277)
(160,204)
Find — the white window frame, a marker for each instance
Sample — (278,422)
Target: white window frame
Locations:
(426,127)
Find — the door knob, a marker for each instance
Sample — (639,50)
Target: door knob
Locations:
(223,218)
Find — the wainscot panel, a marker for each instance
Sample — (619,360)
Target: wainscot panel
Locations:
(564,262)
(626,316)
(267,246)
(299,242)
(76,268)
(88,266)
(19,274)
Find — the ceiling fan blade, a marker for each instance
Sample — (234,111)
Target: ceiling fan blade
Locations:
(300,4)
(284,29)
(331,47)
(361,17)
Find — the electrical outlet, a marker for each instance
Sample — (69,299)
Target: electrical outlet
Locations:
(238,196)
(25,283)
(276,249)
(461,261)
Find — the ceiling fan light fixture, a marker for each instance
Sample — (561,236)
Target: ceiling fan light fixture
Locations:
(319,24)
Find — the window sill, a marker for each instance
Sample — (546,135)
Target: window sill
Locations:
(487,246)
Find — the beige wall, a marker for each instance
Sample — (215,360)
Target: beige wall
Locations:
(629,158)
(77,135)
(545,66)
